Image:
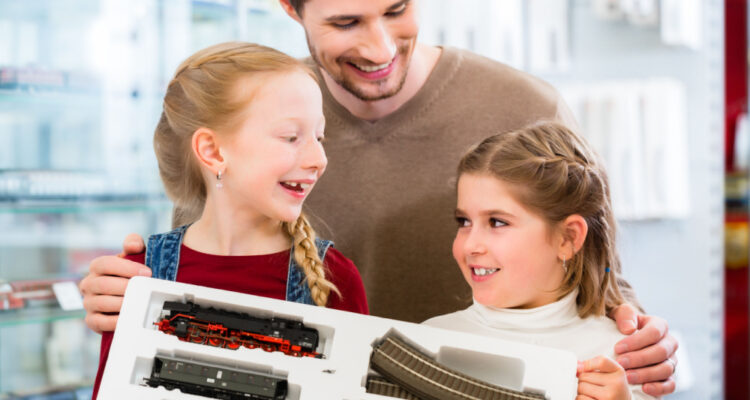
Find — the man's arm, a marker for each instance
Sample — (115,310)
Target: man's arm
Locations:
(104,287)
(647,354)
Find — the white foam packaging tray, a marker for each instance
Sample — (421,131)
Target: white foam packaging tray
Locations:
(346,341)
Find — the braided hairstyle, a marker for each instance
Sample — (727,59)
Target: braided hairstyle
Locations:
(203,94)
(306,255)
(554,173)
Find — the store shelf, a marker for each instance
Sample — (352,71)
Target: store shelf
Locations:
(64,191)
(37,315)
(34,301)
(88,204)
(62,240)
(12,100)
(82,393)
(48,97)
(76,392)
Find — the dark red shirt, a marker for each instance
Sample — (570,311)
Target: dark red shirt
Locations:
(262,275)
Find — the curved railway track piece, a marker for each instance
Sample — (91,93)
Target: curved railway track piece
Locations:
(423,377)
(384,387)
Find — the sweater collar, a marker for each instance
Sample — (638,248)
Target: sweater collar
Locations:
(554,315)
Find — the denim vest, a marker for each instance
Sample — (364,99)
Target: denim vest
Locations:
(163,257)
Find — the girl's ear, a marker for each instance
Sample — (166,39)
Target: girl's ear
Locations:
(574,230)
(206,148)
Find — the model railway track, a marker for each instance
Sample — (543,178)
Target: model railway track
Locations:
(426,379)
(384,387)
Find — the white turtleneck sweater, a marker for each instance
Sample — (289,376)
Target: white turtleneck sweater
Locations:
(554,325)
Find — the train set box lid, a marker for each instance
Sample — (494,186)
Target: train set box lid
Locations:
(180,341)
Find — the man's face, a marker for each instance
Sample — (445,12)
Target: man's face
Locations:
(365,46)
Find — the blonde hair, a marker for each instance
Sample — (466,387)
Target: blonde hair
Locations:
(555,174)
(203,94)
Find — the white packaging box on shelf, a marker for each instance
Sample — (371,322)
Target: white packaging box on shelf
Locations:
(346,341)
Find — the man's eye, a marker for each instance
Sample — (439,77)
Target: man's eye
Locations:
(345,24)
(396,12)
(290,139)
(461,221)
(496,223)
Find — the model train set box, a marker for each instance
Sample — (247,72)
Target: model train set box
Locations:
(179,341)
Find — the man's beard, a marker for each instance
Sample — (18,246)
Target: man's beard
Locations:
(356,91)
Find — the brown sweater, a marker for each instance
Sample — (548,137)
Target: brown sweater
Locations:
(388,195)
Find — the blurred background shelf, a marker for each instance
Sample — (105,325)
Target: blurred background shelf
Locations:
(48,99)
(95,204)
(38,315)
(81,391)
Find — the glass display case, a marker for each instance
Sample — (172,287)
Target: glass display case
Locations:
(72,183)
(81,83)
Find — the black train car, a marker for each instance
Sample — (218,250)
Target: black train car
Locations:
(215,381)
(191,322)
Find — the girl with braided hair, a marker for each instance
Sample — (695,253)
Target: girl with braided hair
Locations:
(536,244)
(239,139)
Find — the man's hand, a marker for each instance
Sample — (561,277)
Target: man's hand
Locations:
(648,353)
(601,378)
(104,286)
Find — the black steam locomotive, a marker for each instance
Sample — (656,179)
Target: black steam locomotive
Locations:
(193,323)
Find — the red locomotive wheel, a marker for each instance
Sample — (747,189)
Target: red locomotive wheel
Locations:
(233,343)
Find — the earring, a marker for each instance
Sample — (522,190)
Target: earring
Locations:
(219,185)
(564,267)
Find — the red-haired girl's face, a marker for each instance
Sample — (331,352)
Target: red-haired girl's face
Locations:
(275,156)
(506,253)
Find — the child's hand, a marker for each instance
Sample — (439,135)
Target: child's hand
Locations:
(602,378)
(104,287)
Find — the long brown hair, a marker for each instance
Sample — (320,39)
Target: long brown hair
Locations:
(202,94)
(554,173)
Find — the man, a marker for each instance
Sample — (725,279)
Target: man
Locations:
(399,115)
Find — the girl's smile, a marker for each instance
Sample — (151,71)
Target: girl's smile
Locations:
(299,188)
(480,273)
